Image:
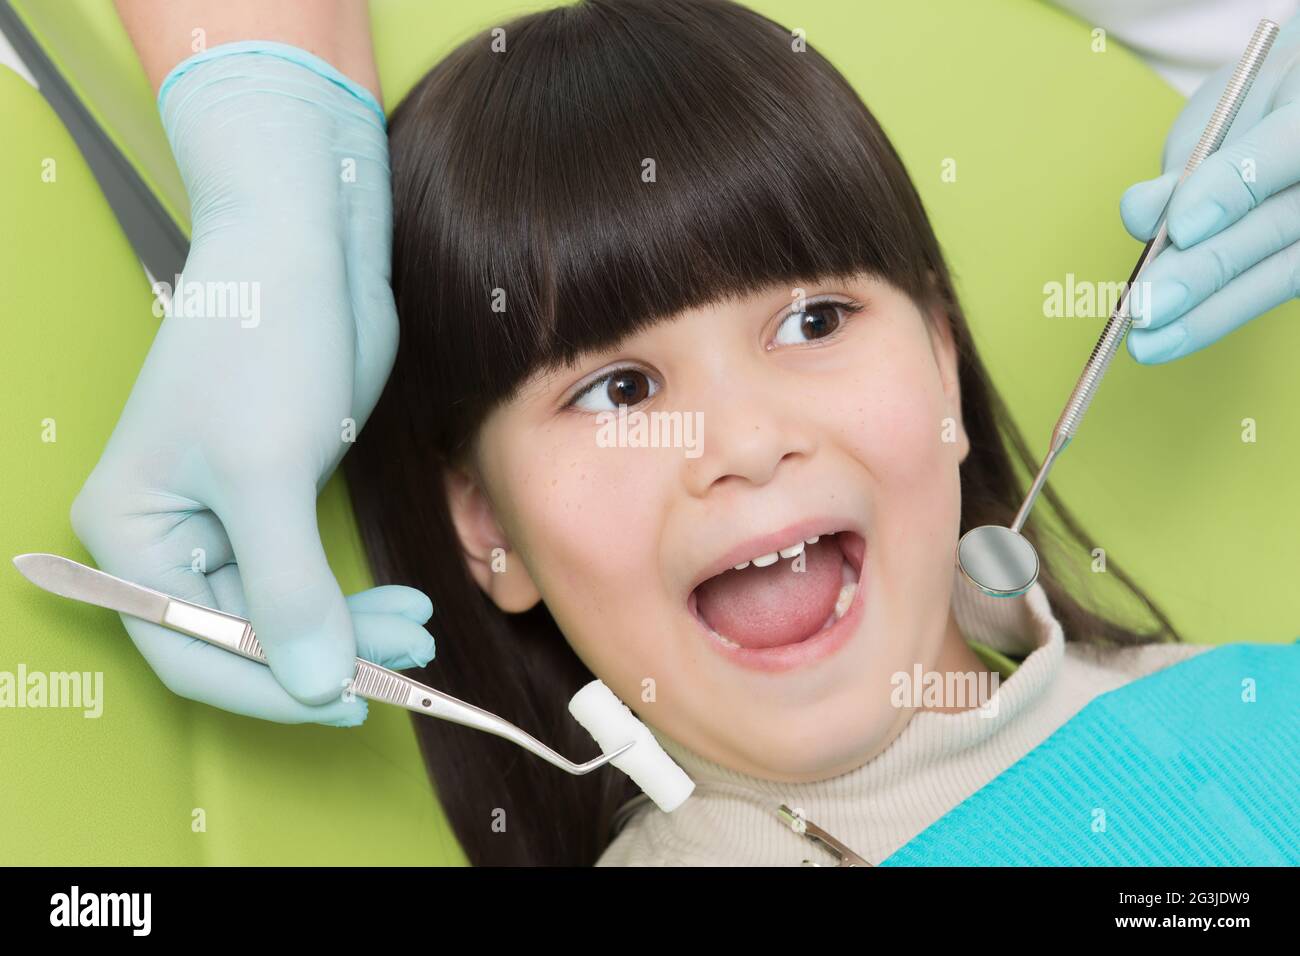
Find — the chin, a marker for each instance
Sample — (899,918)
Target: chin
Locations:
(800,749)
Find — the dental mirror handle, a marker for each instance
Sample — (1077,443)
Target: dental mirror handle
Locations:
(1243,77)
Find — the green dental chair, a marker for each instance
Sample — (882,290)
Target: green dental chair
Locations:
(1021,138)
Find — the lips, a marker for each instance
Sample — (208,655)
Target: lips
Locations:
(789,595)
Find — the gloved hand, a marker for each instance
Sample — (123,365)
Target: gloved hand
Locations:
(279,338)
(1234,223)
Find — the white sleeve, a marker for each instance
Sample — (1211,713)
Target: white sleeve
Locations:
(1182,40)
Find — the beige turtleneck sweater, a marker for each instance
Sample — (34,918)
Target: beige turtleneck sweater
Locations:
(938,760)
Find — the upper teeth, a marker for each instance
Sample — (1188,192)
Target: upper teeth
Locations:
(763,560)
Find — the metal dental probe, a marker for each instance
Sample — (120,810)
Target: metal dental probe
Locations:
(1001,561)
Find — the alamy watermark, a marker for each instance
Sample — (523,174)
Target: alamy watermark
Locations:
(129,910)
(77,690)
(935,689)
(657,429)
(209,300)
(1083,299)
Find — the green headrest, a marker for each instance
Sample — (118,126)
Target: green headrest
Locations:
(1043,133)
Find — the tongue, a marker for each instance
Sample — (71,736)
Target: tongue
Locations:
(767,607)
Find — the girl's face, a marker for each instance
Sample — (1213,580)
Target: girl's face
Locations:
(836,416)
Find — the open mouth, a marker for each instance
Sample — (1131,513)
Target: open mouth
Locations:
(783,597)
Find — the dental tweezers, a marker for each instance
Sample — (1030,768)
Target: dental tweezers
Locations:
(71,579)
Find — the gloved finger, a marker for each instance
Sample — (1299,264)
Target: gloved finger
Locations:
(228,589)
(393,599)
(201,672)
(391,640)
(195,539)
(197,671)
(201,539)
(1237,178)
(152,549)
(294,602)
(386,621)
(130,541)
(1180,279)
(1264,287)
(1275,86)
(1142,203)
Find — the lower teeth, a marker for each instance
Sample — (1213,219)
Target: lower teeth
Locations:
(845,599)
(723,639)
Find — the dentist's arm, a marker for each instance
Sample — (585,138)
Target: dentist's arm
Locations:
(164,32)
(278,341)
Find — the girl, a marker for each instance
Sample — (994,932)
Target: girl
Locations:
(665,208)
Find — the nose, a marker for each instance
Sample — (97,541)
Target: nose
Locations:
(749,430)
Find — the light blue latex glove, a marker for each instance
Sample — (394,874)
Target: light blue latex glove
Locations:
(1234,223)
(243,409)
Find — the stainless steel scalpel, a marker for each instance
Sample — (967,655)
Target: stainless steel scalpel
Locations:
(68,578)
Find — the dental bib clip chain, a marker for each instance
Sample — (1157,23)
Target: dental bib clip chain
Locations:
(801,825)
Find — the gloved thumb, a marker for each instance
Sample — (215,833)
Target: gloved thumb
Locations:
(1142,203)
(296,606)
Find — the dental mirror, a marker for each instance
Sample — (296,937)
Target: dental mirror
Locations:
(1000,561)
(997,560)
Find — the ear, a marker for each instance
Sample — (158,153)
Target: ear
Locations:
(498,569)
(945,354)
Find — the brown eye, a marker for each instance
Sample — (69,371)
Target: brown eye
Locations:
(627,387)
(624,386)
(821,319)
(815,321)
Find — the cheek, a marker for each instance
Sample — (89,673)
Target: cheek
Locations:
(907,439)
(592,507)
(586,519)
(901,425)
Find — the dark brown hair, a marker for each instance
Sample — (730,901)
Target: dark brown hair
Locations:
(522,171)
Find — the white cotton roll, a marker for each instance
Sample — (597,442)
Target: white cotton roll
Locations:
(613,724)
